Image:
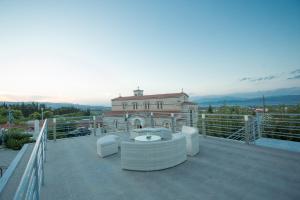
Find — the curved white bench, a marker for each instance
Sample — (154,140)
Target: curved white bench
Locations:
(148,156)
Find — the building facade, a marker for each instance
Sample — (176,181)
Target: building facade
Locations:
(159,110)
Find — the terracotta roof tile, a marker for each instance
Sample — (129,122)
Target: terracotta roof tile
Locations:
(189,103)
(154,96)
(123,113)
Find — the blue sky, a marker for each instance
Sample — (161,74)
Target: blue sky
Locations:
(92,51)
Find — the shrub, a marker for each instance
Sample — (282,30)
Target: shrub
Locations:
(13,144)
(17,140)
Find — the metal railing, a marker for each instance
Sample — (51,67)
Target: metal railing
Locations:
(33,177)
(281,126)
(230,126)
(62,127)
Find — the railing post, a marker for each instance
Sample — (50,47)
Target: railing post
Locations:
(46,136)
(127,123)
(191,118)
(43,158)
(94,119)
(2,135)
(258,121)
(36,129)
(54,129)
(246,118)
(37,192)
(151,120)
(173,122)
(203,125)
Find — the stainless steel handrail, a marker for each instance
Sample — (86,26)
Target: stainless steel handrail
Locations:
(33,177)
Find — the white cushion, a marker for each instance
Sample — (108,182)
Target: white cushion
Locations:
(107,146)
(189,130)
(192,140)
(114,137)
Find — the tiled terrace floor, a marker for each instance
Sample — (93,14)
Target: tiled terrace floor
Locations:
(222,170)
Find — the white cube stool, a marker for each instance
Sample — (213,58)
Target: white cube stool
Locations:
(192,140)
(115,137)
(107,146)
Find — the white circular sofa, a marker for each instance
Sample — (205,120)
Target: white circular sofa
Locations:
(148,156)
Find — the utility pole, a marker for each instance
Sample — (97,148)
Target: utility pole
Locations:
(10,118)
(264,104)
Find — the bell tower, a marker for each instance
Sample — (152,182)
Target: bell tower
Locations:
(138,92)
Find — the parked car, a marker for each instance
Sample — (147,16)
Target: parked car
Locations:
(80,131)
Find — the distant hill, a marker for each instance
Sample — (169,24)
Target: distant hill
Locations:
(288,96)
(273,100)
(60,105)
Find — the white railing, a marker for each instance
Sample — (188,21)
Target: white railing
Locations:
(281,126)
(33,177)
(230,126)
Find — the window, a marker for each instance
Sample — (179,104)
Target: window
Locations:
(116,123)
(147,105)
(124,105)
(191,118)
(159,105)
(135,105)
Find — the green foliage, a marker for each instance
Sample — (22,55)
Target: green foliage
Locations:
(23,112)
(284,109)
(35,115)
(17,114)
(15,131)
(48,114)
(234,110)
(15,140)
(66,110)
(3,115)
(210,109)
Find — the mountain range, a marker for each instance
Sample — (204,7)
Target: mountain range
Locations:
(287,96)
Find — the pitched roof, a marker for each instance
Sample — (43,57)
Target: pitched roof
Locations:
(154,96)
(188,103)
(155,113)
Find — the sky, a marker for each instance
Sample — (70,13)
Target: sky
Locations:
(89,52)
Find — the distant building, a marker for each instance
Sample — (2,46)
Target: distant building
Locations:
(141,110)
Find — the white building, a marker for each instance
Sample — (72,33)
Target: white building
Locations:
(157,110)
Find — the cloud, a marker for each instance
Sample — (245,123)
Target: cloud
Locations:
(30,98)
(245,79)
(297,71)
(294,77)
(257,79)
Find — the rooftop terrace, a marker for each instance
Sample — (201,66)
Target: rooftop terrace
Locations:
(242,166)
(223,169)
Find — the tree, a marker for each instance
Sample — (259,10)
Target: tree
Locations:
(35,115)
(48,114)
(17,114)
(210,109)
(88,112)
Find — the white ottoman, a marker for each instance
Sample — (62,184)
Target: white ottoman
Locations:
(192,140)
(115,137)
(107,146)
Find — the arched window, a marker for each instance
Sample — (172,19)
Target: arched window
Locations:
(137,123)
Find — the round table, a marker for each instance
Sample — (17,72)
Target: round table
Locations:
(147,138)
